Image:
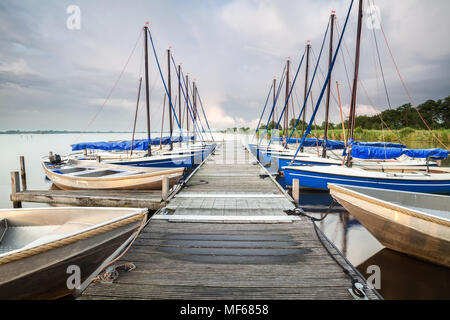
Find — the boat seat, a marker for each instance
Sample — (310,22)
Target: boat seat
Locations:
(98,173)
(18,237)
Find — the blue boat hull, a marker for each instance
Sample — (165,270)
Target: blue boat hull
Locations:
(315,180)
(298,162)
(305,162)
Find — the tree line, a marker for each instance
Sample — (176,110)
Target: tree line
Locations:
(435,113)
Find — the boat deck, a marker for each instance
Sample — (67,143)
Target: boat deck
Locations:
(225,236)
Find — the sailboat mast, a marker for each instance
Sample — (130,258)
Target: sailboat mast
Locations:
(274,116)
(147,95)
(355,82)
(187,108)
(169,85)
(286,114)
(327,110)
(179,99)
(194,110)
(308,47)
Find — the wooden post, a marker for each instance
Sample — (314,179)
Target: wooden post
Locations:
(15,187)
(296,191)
(165,188)
(23,176)
(98,158)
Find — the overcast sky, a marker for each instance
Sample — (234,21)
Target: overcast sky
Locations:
(52,77)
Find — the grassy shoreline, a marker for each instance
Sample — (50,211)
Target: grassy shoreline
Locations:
(405,134)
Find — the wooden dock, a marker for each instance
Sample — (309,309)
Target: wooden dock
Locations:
(225,236)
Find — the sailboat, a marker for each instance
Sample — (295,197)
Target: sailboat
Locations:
(139,153)
(314,151)
(422,179)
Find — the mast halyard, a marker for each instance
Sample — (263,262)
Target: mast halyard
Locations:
(355,84)
(327,111)
(135,116)
(147,90)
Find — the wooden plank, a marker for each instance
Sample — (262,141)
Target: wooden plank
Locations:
(229,195)
(95,198)
(228,218)
(132,291)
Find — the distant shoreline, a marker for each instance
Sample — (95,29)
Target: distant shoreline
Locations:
(61,132)
(72,132)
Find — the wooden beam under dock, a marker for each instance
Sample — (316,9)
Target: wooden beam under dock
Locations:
(93,198)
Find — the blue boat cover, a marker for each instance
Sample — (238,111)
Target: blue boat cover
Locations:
(125,144)
(365,152)
(339,145)
(380,144)
(313,142)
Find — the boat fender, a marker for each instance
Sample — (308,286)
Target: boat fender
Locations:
(55,159)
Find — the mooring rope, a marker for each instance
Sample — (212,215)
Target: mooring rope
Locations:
(356,277)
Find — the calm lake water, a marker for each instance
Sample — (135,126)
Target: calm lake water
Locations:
(402,277)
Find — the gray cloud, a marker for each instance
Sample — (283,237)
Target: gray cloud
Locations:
(55,78)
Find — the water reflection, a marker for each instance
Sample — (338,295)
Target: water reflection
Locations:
(405,277)
(402,276)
